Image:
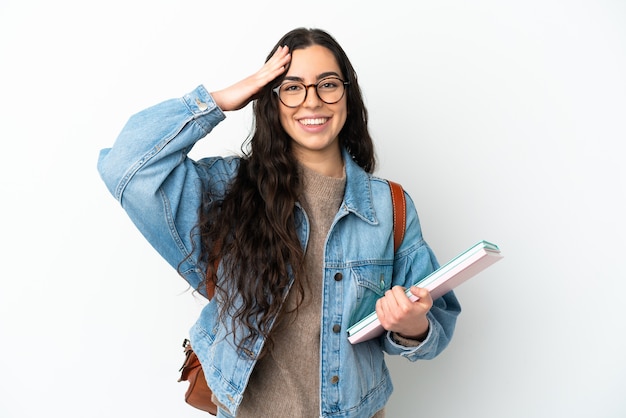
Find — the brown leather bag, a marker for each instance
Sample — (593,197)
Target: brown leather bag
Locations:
(198,394)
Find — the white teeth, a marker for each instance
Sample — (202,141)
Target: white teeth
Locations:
(316,121)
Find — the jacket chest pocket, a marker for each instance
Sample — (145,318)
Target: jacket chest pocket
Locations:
(371,282)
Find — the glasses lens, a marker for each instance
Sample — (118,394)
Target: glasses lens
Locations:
(330,90)
(292,93)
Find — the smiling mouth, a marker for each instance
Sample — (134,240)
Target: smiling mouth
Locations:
(314,121)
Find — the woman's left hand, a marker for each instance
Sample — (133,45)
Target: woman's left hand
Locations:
(397,313)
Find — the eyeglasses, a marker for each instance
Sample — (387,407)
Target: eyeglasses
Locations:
(293,93)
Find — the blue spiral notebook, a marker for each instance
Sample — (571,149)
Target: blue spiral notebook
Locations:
(461,268)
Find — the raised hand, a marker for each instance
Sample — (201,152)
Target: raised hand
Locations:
(241,93)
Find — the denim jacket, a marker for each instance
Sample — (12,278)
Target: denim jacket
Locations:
(147,170)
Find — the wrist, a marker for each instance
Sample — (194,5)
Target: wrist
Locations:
(419,336)
(403,341)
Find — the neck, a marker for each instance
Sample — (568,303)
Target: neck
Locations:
(326,164)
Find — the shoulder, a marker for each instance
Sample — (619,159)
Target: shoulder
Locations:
(388,206)
(381,189)
(218,171)
(229,163)
(383,200)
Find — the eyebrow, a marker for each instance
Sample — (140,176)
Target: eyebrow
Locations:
(319,77)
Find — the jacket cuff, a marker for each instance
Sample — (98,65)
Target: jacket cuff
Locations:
(206,112)
(404,342)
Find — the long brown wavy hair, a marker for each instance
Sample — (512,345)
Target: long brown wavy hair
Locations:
(252,228)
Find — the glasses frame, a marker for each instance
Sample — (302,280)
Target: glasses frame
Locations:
(306,91)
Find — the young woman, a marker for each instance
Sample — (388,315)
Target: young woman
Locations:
(301,230)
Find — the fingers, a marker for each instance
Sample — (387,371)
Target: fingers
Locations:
(241,93)
(397,312)
(281,56)
(398,295)
(423,296)
(275,66)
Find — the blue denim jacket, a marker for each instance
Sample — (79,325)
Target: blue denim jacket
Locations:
(149,172)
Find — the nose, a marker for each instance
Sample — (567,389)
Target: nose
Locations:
(312,100)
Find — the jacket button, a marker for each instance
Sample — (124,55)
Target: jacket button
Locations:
(201,105)
(334,380)
(338,276)
(336,328)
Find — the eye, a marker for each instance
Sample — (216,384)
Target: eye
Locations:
(292,88)
(329,84)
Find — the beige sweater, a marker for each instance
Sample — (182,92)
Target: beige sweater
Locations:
(285,383)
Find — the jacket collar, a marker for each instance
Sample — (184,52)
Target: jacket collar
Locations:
(358,194)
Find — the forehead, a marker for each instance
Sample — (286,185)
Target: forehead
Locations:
(309,63)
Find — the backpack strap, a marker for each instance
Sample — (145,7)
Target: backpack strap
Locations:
(399,213)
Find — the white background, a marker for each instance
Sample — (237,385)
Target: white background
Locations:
(505,121)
